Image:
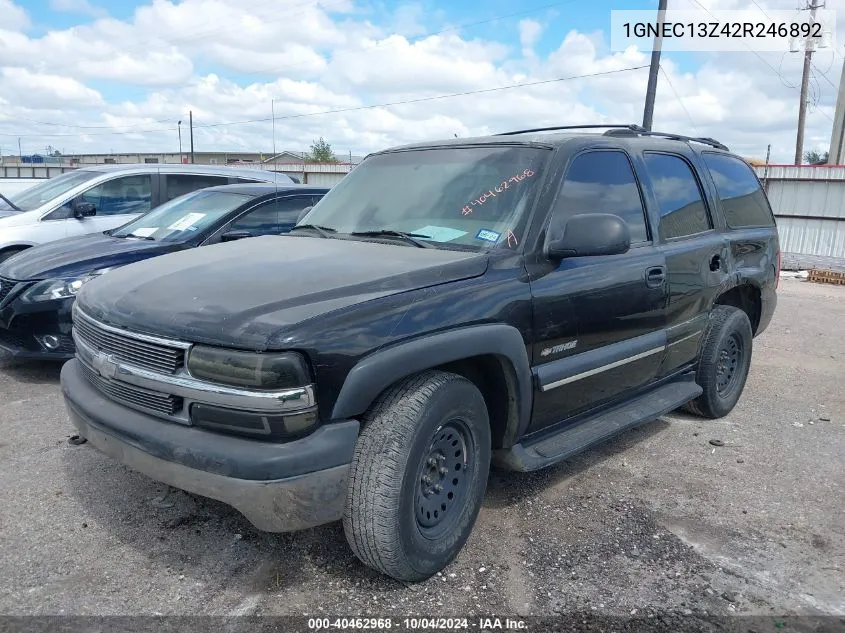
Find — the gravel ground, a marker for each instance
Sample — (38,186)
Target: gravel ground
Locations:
(658,520)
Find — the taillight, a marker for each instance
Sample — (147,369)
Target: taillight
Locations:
(777,272)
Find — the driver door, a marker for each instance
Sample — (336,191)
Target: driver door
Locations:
(599,321)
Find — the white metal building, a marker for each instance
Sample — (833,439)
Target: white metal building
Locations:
(809,206)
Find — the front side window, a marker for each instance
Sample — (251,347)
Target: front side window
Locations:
(465,197)
(743,201)
(51,189)
(682,208)
(184,217)
(601,182)
(272,217)
(124,195)
(179,184)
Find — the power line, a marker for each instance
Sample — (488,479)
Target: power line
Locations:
(85,127)
(363,107)
(760,57)
(421,99)
(678,97)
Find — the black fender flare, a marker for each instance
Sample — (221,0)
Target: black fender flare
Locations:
(377,371)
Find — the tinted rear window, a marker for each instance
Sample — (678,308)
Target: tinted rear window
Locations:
(743,201)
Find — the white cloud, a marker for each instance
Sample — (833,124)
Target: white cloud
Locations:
(529,32)
(225,60)
(12,17)
(77,6)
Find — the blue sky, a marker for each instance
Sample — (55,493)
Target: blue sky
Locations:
(99,74)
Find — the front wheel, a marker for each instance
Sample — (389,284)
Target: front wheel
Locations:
(724,362)
(418,475)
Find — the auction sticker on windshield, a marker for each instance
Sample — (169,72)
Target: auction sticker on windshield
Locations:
(145,231)
(440,233)
(186,221)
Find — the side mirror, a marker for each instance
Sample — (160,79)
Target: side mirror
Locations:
(231,236)
(303,213)
(83,209)
(591,234)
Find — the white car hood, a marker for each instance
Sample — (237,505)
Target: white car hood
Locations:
(18,219)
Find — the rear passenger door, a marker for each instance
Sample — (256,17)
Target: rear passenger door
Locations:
(696,253)
(598,321)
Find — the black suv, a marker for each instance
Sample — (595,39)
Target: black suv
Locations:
(510,299)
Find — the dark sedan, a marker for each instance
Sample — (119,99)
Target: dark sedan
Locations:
(38,286)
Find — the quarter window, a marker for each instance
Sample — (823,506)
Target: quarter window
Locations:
(743,201)
(682,208)
(601,182)
(180,184)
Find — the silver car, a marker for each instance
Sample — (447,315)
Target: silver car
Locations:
(103,197)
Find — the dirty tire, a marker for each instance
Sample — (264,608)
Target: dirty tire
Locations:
(403,434)
(726,350)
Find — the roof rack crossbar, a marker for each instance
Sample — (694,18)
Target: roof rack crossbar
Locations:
(674,137)
(629,126)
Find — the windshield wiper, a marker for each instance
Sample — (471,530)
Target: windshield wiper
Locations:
(322,230)
(140,237)
(408,237)
(11,204)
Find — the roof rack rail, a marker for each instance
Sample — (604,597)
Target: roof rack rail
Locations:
(628,126)
(674,137)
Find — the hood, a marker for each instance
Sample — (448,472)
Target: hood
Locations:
(9,218)
(240,294)
(79,255)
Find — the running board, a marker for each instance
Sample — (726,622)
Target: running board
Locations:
(572,440)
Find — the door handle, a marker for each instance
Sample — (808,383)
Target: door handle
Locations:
(655,276)
(715,262)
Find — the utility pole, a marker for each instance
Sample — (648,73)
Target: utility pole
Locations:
(191,123)
(20,151)
(651,90)
(836,156)
(179,125)
(273,116)
(805,80)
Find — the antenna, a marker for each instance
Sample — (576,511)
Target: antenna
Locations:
(275,157)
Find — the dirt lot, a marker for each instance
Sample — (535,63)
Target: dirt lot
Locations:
(657,520)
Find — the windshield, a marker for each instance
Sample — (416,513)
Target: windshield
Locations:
(183,217)
(51,189)
(465,198)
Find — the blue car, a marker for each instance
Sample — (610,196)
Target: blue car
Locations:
(38,285)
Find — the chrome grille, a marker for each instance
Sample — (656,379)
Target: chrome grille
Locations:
(123,347)
(132,396)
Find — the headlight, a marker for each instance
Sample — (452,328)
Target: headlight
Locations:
(253,370)
(59,288)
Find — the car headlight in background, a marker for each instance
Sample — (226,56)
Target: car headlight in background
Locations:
(270,370)
(60,288)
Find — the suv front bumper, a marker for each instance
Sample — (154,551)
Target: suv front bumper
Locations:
(279,487)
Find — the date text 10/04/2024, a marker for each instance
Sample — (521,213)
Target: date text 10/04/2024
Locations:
(422,624)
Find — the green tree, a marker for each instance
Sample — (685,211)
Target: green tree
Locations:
(321,152)
(815,157)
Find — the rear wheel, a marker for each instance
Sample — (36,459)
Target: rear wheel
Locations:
(418,475)
(724,362)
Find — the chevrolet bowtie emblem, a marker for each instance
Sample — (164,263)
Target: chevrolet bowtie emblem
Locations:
(105,364)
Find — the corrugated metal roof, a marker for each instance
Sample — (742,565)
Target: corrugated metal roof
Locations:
(802,172)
